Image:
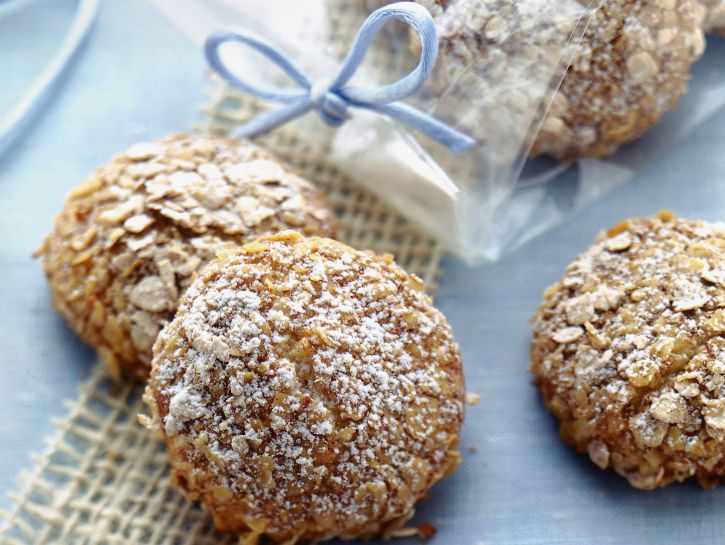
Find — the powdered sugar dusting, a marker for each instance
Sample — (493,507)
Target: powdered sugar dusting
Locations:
(331,389)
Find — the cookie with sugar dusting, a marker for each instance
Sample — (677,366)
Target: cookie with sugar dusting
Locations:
(632,65)
(306,391)
(130,238)
(495,64)
(629,351)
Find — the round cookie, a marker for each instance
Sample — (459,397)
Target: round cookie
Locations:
(714,16)
(629,351)
(495,64)
(130,238)
(632,65)
(306,391)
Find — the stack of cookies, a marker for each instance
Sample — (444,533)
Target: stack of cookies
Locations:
(305,390)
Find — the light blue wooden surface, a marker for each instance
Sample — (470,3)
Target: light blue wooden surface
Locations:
(139,78)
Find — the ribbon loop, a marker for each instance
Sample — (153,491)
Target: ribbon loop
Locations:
(217,39)
(415,16)
(332,100)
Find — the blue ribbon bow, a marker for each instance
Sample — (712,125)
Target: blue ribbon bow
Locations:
(332,99)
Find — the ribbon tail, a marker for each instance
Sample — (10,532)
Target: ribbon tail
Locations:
(456,141)
(271,120)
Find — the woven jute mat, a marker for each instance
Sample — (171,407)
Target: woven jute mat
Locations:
(103,478)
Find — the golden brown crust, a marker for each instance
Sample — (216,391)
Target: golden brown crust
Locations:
(632,66)
(307,390)
(130,238)
(495,65)
(629,351)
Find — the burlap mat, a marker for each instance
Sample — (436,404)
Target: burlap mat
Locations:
(104,479)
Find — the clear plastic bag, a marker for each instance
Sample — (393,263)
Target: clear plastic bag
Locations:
(480,204)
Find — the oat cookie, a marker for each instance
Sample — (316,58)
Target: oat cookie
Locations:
(130,238)
(631,66)
(495,63)
(629,351)
(714,16)
(306,391)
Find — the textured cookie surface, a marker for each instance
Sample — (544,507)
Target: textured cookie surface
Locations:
(129,239)
(307,390)
(629,351)
(495,64)
(631,66)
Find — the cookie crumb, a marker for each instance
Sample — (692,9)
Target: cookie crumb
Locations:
(426,530)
